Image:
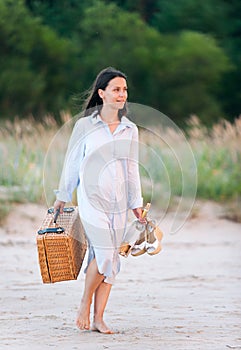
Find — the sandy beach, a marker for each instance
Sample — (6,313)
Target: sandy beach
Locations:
(186,297)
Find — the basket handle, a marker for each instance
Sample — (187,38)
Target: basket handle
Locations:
(51,230)
(65,210)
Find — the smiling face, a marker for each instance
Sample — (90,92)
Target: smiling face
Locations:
(115,94)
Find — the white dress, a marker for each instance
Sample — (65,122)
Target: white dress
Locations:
(104,168)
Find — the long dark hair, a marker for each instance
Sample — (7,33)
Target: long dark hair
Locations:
(94,102)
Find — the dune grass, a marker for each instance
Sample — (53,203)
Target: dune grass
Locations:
(24,145)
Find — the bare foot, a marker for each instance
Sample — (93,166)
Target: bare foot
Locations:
(101,327)
(83,316)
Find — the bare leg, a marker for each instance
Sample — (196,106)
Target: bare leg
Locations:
(101,297)
(92,281)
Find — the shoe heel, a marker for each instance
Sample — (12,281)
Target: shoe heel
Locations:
(125,249)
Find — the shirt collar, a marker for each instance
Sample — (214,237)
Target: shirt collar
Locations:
(95,118)
(125,121)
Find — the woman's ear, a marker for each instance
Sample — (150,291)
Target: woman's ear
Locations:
(101,93)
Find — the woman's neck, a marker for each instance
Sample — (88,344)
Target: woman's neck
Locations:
(109,115)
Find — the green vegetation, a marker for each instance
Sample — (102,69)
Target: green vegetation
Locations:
(181,57)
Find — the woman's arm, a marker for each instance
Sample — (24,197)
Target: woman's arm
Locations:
(135,200)
(70,174)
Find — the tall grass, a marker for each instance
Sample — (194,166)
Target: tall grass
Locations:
(217,153)
(23,146)
(218,156)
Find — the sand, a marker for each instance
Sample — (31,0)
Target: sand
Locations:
(186,297)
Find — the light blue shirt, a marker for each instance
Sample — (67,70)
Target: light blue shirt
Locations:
(104,168)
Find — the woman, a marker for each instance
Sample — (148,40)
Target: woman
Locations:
(102,162)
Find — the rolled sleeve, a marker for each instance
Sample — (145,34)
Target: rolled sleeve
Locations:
(63,196)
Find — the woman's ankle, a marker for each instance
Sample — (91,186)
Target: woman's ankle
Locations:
(86,300)
(98,318)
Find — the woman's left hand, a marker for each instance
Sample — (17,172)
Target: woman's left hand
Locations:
(138,213)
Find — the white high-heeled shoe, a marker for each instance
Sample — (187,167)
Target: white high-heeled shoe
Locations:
(136,229)
(154,237)
(139,247)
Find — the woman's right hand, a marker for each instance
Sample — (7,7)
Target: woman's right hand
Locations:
(59,205)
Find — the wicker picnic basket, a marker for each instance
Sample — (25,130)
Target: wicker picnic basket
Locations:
(61,246)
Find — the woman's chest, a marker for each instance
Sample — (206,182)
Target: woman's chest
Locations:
(101,142)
